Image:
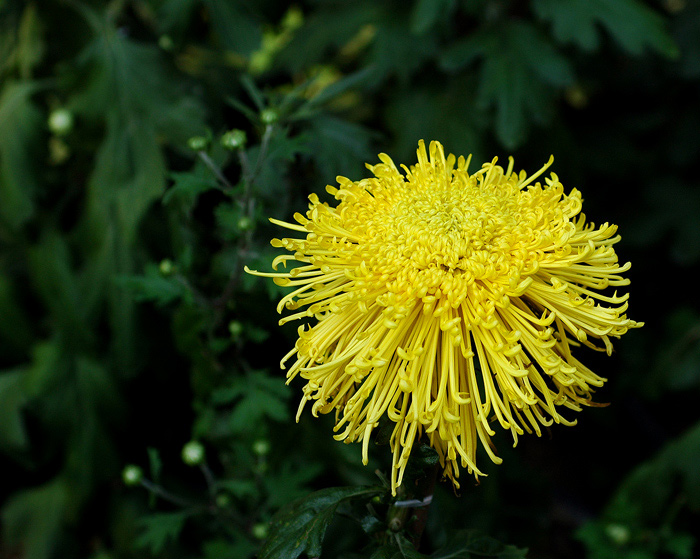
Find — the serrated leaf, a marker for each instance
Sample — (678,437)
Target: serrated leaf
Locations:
(632,24)
(339,147)
(398,548)
(519,72)
(239,488)
(187,187)
(289,483)
(159,528)
(154,286)
(300,526)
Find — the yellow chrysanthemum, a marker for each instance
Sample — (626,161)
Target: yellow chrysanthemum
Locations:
(444,301)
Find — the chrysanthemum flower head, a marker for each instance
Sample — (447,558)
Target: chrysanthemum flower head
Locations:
(449,303)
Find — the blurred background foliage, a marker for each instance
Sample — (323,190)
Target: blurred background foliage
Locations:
(128,206)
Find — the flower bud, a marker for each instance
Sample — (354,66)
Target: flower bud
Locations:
(245,223)
(234,139)
(132,475)
(193,453)
(165,42)
(259,531)
(261,447)
(235,328)
(61,122)
(269,116)
(198,143)
(618,533)
(166,267)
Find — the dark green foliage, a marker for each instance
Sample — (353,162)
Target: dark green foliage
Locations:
(300,526)
(128,328)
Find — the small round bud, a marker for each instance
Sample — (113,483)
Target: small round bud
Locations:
(61,122)
(269,116)
(261,447)
(245,224)
(260,61)
(293,19)
(395,524)
(132,475)
(166,267)
(618,533)
(193,453)
(165,42)
(198,143)
(223,500)
(235,328)
(259,531)
(233,139)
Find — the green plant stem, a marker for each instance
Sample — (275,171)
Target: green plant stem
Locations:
(166,495)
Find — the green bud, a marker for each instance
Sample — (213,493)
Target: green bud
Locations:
(261,447)
(235,328)
(259,531)
(293,19)
(193,453)
(166,267)
(223,500)
(165,42)
(198,143)
(269,116)
(61,122)
(618,533)
(234,139)
(132,475)
(245,224)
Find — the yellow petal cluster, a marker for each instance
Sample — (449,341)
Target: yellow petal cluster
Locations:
(448,302)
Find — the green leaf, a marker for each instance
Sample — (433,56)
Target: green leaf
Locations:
(187,187)
(339,147)
(398,548)
(300,526)
(426,13)
(154,286)
(237,30)
(240,548)
(519,74)
(30,44)
(20,126)
(468,543)
(289,483)
(32,519)
(239,488)
(159,528)
(13,436)
(15,328)
(632,24)
(335,89)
